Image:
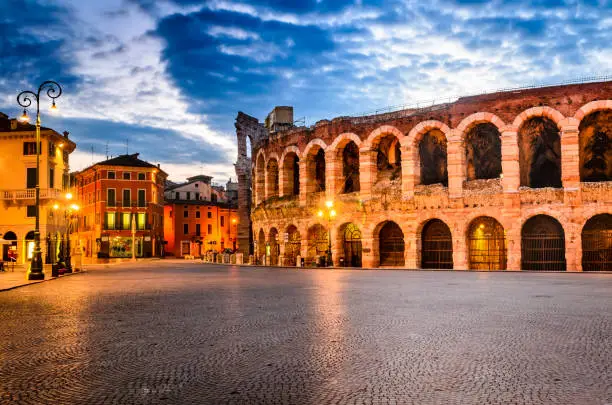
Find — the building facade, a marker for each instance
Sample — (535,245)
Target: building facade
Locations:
(17,189)
(199,217)
(506,181)
(121,203)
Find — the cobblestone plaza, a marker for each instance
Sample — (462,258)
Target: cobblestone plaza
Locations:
(171,332)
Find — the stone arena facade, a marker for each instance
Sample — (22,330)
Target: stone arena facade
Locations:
(506,181)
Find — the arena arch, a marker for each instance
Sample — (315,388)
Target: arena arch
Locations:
(487,246)
(595,146)
(314,157)
(543,244)
(436,245)
(483,151)
(385,142)
(390,244)
(260,178)
(290,171)
(318,243)
(272,178)
(293,245)
(428,145)
(597,243)
(261,244)
(274,246)
(349,238)
(345,150)
(539,144)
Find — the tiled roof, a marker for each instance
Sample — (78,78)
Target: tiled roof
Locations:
(126,160)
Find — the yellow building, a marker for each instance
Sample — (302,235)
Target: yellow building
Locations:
(17,189)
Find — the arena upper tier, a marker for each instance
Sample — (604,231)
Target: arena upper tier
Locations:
(512,180)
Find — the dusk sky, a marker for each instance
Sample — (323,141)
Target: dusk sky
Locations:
(170,76)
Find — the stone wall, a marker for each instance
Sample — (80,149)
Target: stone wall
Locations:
(400,196)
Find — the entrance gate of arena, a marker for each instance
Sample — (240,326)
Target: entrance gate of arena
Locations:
(597,244)
(487,245)
(292,246)
(352,246)
(391,245)
(543,244)
(437,246)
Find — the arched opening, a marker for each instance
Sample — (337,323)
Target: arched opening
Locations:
(272,178)
(437,246)
(29,245)
(433,157)
(274,247)
(261,245)
(317,243)
(388,158)
(596,146)
(260,180)
(483,152)
(391,245)
(539,153)
(315,170)
(597,243)
(351,245)
(291,175)
(9,251)
(487,244)
(543,244)
(293,245)
(350,168)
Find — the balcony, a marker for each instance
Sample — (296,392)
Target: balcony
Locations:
(29,194)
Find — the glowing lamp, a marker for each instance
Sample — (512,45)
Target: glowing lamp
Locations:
(24,117)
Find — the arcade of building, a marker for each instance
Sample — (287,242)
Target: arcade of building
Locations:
(506,181)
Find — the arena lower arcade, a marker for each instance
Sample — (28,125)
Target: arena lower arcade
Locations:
(512,180)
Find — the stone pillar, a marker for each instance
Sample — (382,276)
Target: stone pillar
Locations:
(368,256)
(460,251)
(456,164)
(282,180)
(570,154)
(367,175)
(410,170)
(411,251)
(305,185)
(510,160)
(333,174)
(573,244)
(512,227)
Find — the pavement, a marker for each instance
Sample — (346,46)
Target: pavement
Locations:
(176,332)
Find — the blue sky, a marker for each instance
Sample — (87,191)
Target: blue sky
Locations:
(169,76)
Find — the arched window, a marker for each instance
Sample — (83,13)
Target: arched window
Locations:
(486,244)
(317,242)
(292,245)
(433,157)
(350,168)
(291,175)
(542,244)
(539,153)
(483,152)
(596,146)
(597,243)
(351,244)
(388,158)
(391,245)
(437,246)
(272,179)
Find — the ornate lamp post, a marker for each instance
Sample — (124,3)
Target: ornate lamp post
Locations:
(64,259)
(329,213)
(25,99)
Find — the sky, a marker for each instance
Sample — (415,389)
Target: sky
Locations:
(166,78)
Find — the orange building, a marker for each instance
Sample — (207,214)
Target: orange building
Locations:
(198,218)
(121,196)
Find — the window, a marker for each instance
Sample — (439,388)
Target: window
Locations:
(29,148)
(170,213)
(127,175)
(209,228)
(189,195)
(51,177)
(127,197)
(222,220)
(141,198)
(51,149)
(197,214)
(141,221)
(213,197)
(110,175)
(109,220)
(197,229)
(126,220)
(177,196)
(84,222)
(31,211)
(185,229)
(196,185)
(185,214)
(31,177)
(110,197)
(209,214)
(141,176)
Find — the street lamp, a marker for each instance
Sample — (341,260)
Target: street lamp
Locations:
(236,234)
(69,211)
(25,99)
(329,213)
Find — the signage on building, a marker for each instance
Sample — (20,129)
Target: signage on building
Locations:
(104,238)
(147,239)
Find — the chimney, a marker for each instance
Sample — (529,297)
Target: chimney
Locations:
(66,133)
(13,124)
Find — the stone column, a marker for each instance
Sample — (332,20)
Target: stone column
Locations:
(411,251)
(510,160)
(456,164)
(570,154)
(333,172)
(460,250)
(304,184)
(411,172)
(368,258)
(367,175)
(513,243)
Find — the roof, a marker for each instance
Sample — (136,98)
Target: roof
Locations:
(193,179)
(127,161)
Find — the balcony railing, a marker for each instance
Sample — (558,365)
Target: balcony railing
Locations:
(29,194)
